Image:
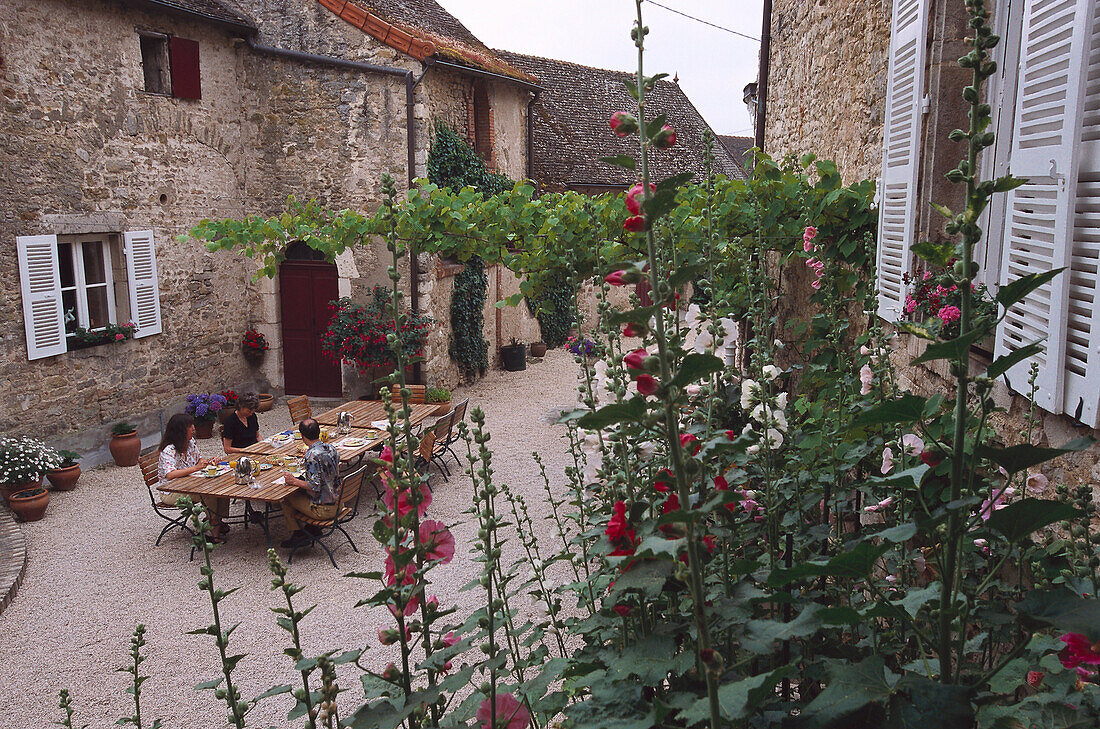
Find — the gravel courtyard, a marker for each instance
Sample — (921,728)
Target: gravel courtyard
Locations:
(94,574)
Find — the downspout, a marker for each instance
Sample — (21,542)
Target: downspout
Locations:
(411,81)
(531,136)
(762,81)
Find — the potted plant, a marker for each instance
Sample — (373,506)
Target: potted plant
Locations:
(125,444)
(204,409)
(253,344)
(538,349)
(231,398)
(513,357)
(440,396)
(23,463)
(30,504)
(267,401)
(583,346)
(64,476)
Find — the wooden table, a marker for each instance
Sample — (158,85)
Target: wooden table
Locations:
(363,412)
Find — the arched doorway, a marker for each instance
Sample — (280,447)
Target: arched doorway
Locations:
(307,284)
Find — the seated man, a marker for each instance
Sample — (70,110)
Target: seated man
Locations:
(322,478)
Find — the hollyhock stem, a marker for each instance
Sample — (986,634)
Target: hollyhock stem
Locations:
(672,427)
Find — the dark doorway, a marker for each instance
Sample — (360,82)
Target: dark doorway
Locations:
(305,289)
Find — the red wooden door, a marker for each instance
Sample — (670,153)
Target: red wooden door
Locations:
(305,290)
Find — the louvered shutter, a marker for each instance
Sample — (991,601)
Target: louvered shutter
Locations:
(901,153)
(1082,364)
(1049,100)
(40,282)
(141,269)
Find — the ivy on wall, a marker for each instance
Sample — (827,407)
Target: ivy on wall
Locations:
(554,308)
(453,163)
(468,346)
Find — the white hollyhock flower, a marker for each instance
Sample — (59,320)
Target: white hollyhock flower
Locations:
(760,413)
(750,392)
(703,342)
(773,438)
(887,460)
(781,401)
(770,372)
(912,444)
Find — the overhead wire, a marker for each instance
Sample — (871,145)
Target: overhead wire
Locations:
(704,22)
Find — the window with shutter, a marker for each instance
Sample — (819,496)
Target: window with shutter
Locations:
(902,130)
(1047,128)
(141,270)
(40,282)
(184,55)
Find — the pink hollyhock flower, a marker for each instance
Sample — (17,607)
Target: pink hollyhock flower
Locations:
(634,360)
(389,636)
(910,304)
(816,284)
(634,224)
(119,337)
(647,384)
(983,545)
(634,197)
(622,610)
(404,501)
(438,540)
(866,379)
(510,713)
(623,123)
(615,278)
(665,138)
(1035,678)
(386,455)
(811,262)
(949,314)
(690,443)
(809,234)
(1079,651)
(390,672)
(391,572)
(1036,484)
(912,444)
(449,639)
(409,609)
(996,503)
(432,604)
(881,506)
(808,246)
(887,460)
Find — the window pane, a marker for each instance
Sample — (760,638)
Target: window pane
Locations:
(68,303)
(93,262)
(65,264)
(97,307)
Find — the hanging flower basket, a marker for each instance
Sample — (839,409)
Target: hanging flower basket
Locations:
(253,345)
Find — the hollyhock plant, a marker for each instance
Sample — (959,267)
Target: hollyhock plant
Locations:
(437,540)
(634,197)
(404,501)
(634,224)
(635,360)
(663,481)
(510,713)
(866,379)
(623,123)
(1036,484)
(647,384)
(615,278)
(664,138)
(1079,652)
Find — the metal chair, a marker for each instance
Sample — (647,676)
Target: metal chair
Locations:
(457,415)
(300,408)
(347,496)
(171,513)
(441,435)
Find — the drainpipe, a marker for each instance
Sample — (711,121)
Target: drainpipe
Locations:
(531,135)
(411,81)
(762,81)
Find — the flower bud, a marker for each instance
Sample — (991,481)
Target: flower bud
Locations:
(647,384)
(664,138)
(623,123)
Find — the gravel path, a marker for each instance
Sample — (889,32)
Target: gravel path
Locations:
(94,574)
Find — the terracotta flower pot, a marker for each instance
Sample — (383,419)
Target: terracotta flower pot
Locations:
(64,479)
(538,349)
(226,413)
(125,448)
(7,489)
(267,400)
(443,409)
(204,429)
(30,504)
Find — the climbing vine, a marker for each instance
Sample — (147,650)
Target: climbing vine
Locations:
(555,309)
(468,346)
(453,163)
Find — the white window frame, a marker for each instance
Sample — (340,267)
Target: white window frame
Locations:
(81,285)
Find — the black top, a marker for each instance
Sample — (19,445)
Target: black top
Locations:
(240,434)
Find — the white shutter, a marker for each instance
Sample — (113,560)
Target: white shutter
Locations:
(40,282)
(1082,363)
(1046,132)
(901,153)
(141,269)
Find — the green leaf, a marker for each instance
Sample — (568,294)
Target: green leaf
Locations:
(648,659)
(908,408)
(954,349)
(695,367)
(1008,183)
(899,533)
(1020,457)
(737,700)
(1005,362)
(655,125)
(274,691)
(1026,516)
(209,684)
(855,563)
(621,160)
(630,411)
(762,634)
(938,254)
(850,688)
(942,210)
(1064,610)
(1009,294)
(631,87)
(918,330)
(920,703)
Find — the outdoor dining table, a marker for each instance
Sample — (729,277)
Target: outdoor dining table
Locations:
(364,412)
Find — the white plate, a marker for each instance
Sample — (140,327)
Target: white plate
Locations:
(220,472)
(353,442)
(266,467)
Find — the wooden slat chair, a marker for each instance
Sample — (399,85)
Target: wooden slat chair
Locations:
(441,433)
(417,393)
(300,408)
(347,495)
(457,415)
(169,512)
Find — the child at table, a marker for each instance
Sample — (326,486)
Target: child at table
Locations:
(179,457)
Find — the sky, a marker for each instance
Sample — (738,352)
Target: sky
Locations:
(713,65)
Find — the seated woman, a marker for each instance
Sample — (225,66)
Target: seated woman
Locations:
(242,428)
(179,456)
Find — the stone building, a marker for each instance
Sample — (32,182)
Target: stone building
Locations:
(876,85)
(126,122)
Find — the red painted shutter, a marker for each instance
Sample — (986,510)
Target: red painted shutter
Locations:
(184,55)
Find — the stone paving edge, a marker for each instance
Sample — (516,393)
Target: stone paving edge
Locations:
(13,557)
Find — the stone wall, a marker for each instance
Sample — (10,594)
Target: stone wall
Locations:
(85,150)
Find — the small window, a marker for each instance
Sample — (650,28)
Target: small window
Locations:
(87,273)
(483,122)
(155,64)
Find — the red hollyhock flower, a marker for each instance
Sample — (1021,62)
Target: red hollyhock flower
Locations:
(634,197)
(672,503)
(1079,651)
(618,531)
(615,278)
(647,384)
(635,224)
(623,123)
(731,434)
(690,443)
(633,330)
(1035,678)
(665,138)
(931,458)
(634,360)
(710,543)
(622,610)
(663,482)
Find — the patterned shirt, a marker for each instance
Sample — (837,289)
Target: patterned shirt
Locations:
(322,472)
(170,461)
